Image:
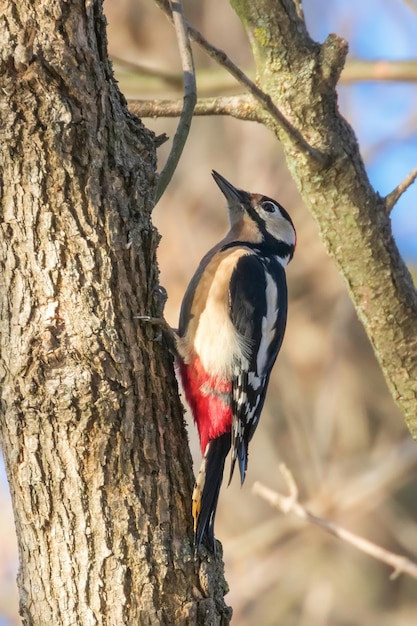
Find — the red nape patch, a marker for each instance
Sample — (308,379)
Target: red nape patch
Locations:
(209,400)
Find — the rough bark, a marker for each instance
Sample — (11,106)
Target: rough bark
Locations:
(91,426)
(301,76)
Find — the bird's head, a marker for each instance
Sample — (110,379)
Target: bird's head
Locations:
(258,220)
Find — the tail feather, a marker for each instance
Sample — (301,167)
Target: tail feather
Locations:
(240,454)
(207,489)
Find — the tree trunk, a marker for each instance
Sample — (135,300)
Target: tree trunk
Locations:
(91,426)
(301,76)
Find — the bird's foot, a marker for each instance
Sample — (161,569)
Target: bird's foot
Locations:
(165,330)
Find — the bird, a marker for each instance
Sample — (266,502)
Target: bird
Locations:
(231,326)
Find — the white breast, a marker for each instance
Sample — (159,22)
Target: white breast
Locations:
(216,341)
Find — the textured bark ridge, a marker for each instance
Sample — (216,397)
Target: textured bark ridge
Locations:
(91,426)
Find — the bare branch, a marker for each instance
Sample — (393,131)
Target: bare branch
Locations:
(383,69)
(392,198)
(169,78)
(138,78)
(242,107)
(222,59)
(291,504)
(216,81)
(190,97)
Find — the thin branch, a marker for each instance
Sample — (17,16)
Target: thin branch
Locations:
(222,59)
(242,107)
(169,78)
(291,504)
(385,70)
(392,198)
(137,78)
(190,97)
(216,81)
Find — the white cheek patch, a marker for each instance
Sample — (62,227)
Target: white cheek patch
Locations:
(280,228)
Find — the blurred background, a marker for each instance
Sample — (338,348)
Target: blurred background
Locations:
(328,414)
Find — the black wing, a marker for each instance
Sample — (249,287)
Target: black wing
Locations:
(258,309)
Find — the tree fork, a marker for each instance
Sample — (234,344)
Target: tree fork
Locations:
(300,76)
(91,426)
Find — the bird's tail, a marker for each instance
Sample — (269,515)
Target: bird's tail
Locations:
(239,445)
(207,488)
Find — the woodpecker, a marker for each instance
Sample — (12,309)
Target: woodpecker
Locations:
(231,327)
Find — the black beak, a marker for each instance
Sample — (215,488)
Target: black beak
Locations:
(232,195)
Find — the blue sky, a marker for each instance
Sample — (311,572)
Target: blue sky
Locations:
(383,114)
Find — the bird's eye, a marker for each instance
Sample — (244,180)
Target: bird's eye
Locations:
(270,207)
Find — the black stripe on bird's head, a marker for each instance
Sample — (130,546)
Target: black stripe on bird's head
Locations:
(264,221)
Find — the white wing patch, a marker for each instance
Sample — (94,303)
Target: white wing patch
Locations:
(268,324)
(254,381)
